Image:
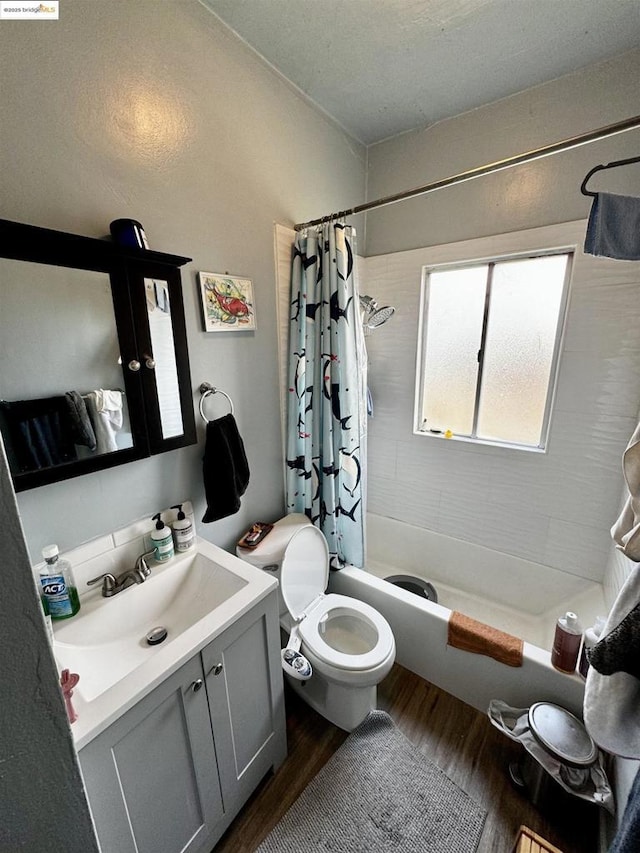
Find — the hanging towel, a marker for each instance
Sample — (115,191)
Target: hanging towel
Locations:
(472,636)
(611,702)
(613,230)
(106,421)
(108,401)
(82,429)
(626,531)
(224,467)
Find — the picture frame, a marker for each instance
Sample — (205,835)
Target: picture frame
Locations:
(227,302)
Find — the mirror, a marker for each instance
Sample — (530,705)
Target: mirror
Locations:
(159,313)
(59,350)
(94,354)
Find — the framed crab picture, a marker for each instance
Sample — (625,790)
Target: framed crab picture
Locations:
(227,303)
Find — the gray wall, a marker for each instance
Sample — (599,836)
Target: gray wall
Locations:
(554,508)
(43,805)
(154,111)
(539,193)
(147,110)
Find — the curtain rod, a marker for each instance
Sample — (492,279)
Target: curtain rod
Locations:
(536,154)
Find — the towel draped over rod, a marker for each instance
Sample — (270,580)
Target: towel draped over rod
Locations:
(206,389)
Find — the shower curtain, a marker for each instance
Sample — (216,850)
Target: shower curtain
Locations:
(326,410)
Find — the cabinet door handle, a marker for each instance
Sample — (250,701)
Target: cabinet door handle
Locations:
(149,362)
(134,365)
(197,684)
(217,669)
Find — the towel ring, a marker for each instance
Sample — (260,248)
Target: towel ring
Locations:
(205,389)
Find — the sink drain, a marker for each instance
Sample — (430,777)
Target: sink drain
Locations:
(156,635)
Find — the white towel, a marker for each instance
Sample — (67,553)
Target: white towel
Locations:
(106,421)
(626,531)
(108,401)
(612,702)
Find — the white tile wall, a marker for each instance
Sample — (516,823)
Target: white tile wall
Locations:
(554,508)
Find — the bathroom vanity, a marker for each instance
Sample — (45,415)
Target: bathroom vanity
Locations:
(172,749)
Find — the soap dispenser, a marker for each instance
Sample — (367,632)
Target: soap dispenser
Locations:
(162,540)
(183,532)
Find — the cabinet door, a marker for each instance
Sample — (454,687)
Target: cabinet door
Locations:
(245,688)
(151,777)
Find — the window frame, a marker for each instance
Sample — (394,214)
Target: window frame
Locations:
(491,261)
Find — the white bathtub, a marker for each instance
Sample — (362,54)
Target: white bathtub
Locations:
(514,595)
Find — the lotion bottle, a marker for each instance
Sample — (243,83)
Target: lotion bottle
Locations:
(58,591)
(566,643)
(162,540)
(183,532)
(591,637)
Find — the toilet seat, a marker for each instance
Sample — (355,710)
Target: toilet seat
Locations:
(361,616)
(304,577)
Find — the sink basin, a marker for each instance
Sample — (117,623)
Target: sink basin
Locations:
(106,641)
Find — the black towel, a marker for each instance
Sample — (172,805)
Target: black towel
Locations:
(224,467)
(619,651)
(81,424)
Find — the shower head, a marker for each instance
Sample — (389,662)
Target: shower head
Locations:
(374,316)
(379,317)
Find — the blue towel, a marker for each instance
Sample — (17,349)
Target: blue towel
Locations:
(614,227)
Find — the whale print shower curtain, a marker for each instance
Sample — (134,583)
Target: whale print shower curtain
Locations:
(326,411)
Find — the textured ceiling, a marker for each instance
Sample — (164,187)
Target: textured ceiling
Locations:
(381,67)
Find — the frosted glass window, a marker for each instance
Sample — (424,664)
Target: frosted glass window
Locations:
(489,348)
(455,301)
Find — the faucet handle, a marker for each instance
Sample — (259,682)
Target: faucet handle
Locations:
(142,567)
(109,583)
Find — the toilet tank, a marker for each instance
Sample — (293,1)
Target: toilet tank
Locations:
(269,553)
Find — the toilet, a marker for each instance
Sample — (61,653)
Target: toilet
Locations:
(349,645)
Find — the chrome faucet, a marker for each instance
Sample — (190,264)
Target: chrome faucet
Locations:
(113,584)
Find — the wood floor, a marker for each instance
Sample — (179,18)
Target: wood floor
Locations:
(456,737)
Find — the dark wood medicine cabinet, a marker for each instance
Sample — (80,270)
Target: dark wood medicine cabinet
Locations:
(80,316)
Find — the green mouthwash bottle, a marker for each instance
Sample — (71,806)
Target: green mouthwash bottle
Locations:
(58,592)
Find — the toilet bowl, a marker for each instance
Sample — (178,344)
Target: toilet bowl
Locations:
(349,645)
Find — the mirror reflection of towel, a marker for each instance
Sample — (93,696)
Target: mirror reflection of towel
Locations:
(83,433)
(39,432)
(224,467)
(105,411)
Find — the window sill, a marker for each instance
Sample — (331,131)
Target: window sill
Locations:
(486,442)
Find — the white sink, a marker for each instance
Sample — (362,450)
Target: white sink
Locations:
(106,641)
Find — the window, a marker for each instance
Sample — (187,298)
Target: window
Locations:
(488,348)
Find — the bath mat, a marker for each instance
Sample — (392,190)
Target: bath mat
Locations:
(377,794)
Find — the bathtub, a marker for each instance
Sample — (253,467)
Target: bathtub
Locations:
(509,593)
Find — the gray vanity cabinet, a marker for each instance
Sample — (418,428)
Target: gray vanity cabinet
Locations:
(170,775)
(244,683)
(151,777)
